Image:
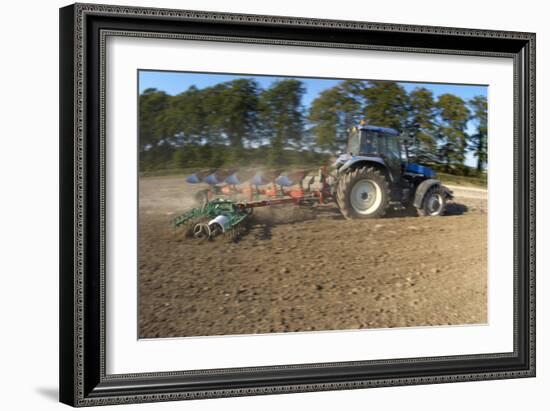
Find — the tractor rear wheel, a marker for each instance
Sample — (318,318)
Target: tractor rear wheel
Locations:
(434,202)
(363,193)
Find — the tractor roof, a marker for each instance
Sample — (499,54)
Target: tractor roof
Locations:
(380,129)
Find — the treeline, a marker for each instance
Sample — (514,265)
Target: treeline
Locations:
(239,123)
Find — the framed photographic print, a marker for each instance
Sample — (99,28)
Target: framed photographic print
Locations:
(261,204)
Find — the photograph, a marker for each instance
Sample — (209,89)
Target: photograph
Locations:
(280,204)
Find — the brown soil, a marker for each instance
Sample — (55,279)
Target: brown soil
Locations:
(302,269)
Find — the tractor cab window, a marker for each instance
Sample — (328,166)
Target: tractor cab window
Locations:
(379,143)
(354,142)
(393,146)
(369,142)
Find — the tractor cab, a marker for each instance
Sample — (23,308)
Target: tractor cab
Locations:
(384,146)
(374,141)
(379,143)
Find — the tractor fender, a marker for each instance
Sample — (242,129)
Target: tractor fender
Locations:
(422,189)
(363,159)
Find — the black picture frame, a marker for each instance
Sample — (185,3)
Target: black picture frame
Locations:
(83,381)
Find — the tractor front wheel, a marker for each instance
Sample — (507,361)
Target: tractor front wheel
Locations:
(363,193)
(434,202)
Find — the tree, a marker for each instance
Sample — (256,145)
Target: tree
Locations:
(453,116)
(211,103)
(386,104)
(478,140)
(282,117)
(152,139)
(239,107)
(152,104)
(353,103)
(332,113)
(183,118)
(422,123)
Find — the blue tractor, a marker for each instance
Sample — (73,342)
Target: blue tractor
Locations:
(376,173)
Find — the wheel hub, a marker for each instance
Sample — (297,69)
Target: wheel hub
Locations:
(365,196)
(434,204)
(202,231)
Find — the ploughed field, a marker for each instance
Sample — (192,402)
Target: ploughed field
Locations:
(299,269)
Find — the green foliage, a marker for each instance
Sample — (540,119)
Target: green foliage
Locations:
(387,104)
(478,140)
(239,123)
(451,130)
(422,124)
(282,118)
(334,112)
(152,107)
(472,179)
(239,106)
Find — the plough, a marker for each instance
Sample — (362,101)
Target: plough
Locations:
(252,185)
(228,216)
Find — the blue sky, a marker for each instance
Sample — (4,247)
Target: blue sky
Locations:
(174,83)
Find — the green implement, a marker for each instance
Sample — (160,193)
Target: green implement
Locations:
(219,216)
